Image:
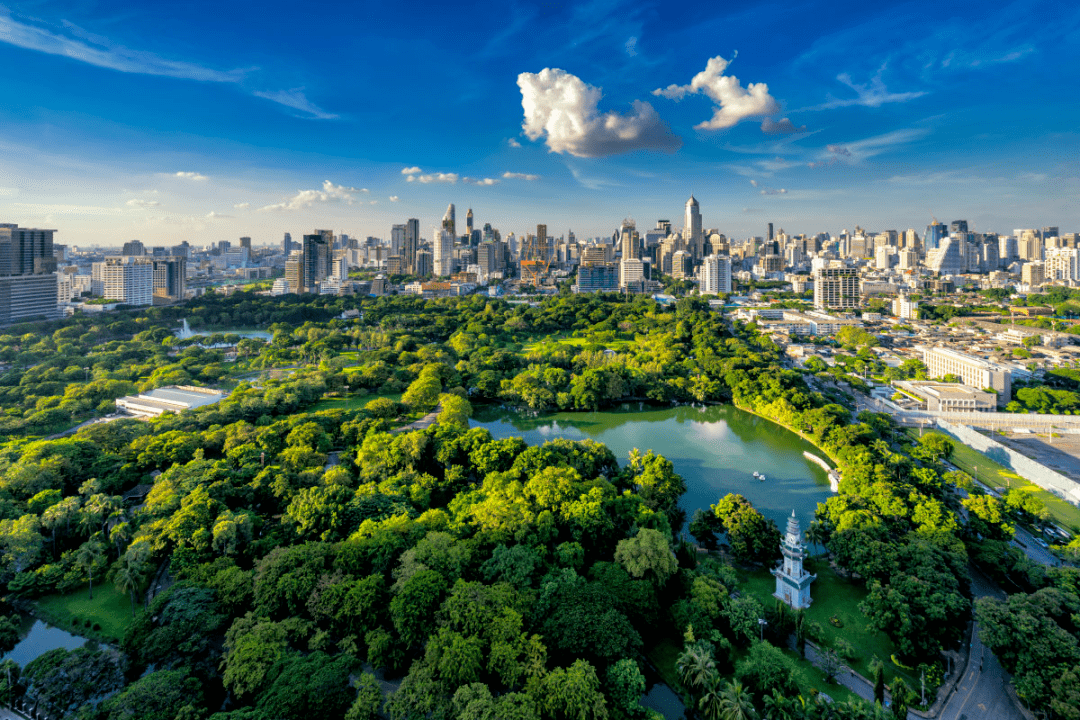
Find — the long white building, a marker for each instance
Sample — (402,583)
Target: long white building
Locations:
(129,280)
(972,371)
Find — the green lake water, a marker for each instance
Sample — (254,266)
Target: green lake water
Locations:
(716,449)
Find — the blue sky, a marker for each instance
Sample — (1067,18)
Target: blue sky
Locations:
(207,121)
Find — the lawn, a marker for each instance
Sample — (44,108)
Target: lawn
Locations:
(552,340)
(837,596)
(996,476)
(110,609)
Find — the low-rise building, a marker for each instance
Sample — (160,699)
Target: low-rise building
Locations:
(174,398)
(950,397)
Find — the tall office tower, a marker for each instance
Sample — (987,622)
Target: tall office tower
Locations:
(631,274)
(245,242)
(991,260)
(542,244)
(315,257)
(397,239)
(1029,244)
(935,233)
(129,280)
(28,282)
(287,247)
(485,258)
(1007,249)
(423,265)
(770,235)
(883,257)
(629,241)
(410,244)
(664,225)
(911,239)
(449,221)
(859,246)
(294,272)
(715,275)
(958,226)
(692,231)
(909,259)
(836,288)
(950,258)
(469,224)
(170,278)
(133,248)
(1050,231)
(442,246)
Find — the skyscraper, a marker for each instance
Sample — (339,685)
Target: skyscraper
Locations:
(449,221)
(397,239)
(543,247)
(170,278)
(692,232)
(715,275)
(836,288)
(411,244)
(315,257)
(287,247)
(469,224)
(27,279)
(245,242)
(935,233)
(442,246)
(959,226)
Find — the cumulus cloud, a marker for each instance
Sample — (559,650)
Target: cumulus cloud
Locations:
(480,181)
(520,176)
(394,198)
(513,143)
(139,203)
(197,177)
(241,206)
(563,109)
(734,103)
(411,171)
(306,198)
(783,126)
(216,216)
(296,100)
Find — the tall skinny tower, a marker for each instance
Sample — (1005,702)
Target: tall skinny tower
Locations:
(792,580)
(692,233)
(449,221)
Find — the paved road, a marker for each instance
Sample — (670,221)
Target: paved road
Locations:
(981,693)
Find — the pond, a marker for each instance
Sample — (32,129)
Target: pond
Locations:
(185,332)
(38,637)
(717,449)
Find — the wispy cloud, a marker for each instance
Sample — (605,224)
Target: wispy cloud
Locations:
(197,177)
(872,94)
(592,183)
(631,46)
(479,181)
(520,176)
(766,190)
(71,41)
(394,198)
(216,216)
(513,143)
(329,193)
(296,100)
(140,203)
(241,206)
(783,126)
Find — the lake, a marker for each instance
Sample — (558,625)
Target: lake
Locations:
(716,448)
(37,637)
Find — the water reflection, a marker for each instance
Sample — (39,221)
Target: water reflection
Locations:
(39,637)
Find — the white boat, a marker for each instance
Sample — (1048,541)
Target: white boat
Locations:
(757,474)
(761,478)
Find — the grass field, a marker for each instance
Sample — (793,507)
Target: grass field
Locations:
(110,609)
(552,340)
(837,596)
(996,476)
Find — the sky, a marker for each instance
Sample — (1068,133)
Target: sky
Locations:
(201,121)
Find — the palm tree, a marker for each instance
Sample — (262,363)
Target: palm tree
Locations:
(88,555)
(696,666)
(736,703)
(777,707)
(128,577)
(816,534)
(711,703)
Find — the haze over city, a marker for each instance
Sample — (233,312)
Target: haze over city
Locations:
(204,123)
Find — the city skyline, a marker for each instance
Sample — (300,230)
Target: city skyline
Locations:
(154,124)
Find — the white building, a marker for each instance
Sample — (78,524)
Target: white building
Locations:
(128,280)
(716,275)
(1062,264)
(972,371)
(442,246)
(905,308)
(281,287)
(792,579)
(836,287)
(631,272)
(174,398)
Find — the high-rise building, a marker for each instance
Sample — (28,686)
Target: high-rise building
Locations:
(170,278)
(449,221)
(129,280)
(287,247)
(423,264)
(442,246)
(597,277)
(631,274)
(410,245)
(542,244)
(958,226)
(770,234)
(397,239)
(469,224)
(1062,264)
(935,233)
(28,282)
(629,241)
(836,288)
(950,258)
(133,248)
(245,242)
(692,232)
(315,258)
(716,275)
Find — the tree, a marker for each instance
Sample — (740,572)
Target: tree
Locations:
(158,696)
(414,606)
(90,553)
(127,578)
(766,669)
(455,411)
(574,692)
(736,703)
(901,696)
(878,669)
(368,701)
(647,555)
(752,538)
(696,665)
(625,686)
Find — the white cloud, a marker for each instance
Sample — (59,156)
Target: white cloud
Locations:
(8,192)
(520,176)
(296,100)
(306,198)
(191,176)
(216,216)
(733,102)
(871,94)
(242,206)
(766,190)
(138,203)
(563,109)
(411,171)
(783,126)
(862,149)
(394,198)
(631,46)
(434,178)
(478,181)
(513,143)
(77,44)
